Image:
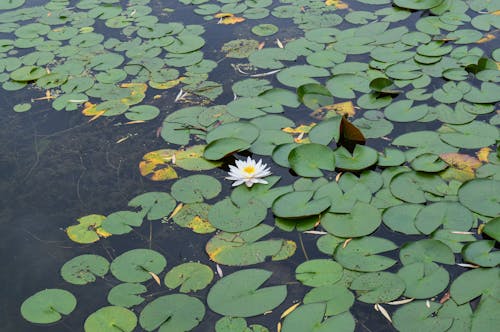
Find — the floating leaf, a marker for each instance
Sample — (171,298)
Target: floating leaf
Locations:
(474,283)
(360,254)
(427,250)
(420,316)
(299,204)
(155,165)
(378,287)
(194,216)
(308,159)
(48,306)
(126,295)
(196,188)
(481,196)
(88,230)
(155,205)
(238,294)
(265,29)
(83,269)
(424,279)
(227,216)
(451,215)
(481,253)
(190,276)
(362,220)
(361,158)
(136,265)
(318,272)
(176,312)
(337,297)
(245,248)
(492,228)
(309,317)
(121,222)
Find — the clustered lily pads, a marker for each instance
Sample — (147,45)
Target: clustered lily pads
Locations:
(378,115)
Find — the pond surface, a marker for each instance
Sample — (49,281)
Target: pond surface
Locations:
(378,120)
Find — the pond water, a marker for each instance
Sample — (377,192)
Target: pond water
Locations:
(379,117)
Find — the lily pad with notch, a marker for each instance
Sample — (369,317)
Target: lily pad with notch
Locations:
(126,295)
(299,204)
(48,306)
(309,159)
(121,222)
(361,158)
(230,217)
(426,250)
(176,312)
(364,219)
(378,287)
(191,277)
(420,316)
(154,205)
(137,265)
(239,294)
(424,279)
(196,188)
(318,272)
(311,317)
(84,269)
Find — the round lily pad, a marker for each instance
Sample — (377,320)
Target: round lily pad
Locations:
(227,216)
(451,215)
(362,220)
(308,159)
(424,279)
(48,306)
(155,205)
(318,272)
(190,276)
(378,287)
(196,188)
(481,196)
(137,265)
(311,317)
(108,319)
(176,312)
(420,316)
(337,297)
(299,204)
(481,253)
(265,29)
(238,294)
(88,229)
(426,250)
(361,158)
(28,73)
(142,113)
(83,269)
(126,295)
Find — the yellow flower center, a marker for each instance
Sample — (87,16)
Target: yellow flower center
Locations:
(249,170)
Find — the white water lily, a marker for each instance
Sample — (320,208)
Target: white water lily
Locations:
(248,172)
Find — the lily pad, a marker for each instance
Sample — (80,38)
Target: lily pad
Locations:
(121,222)
(48,306)
(474,283)
(190,277)
(196,188)
(238,294)
(420,316)
(481,253)
(126,295)
(299,204)
(337,297)
(378,287)
(176,312)
(137,265)
(481,196)
(88,230)
(155,205)
(318,272)
(426,251)
(311,317)
(361,254)
(308,159)
(83,269)
(362,220)
(424,279)
(229,217)
(361,158)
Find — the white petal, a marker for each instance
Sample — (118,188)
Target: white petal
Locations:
(237,183)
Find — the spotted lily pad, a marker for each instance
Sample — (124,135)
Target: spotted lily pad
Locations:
(88,230)
(420,316)
(378,287)
(83,269)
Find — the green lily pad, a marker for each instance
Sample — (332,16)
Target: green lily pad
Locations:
(176,312)
(474,283)
(121,222)
(345,85)
(362,220)
(237,324)
(263,192)
(337,297)
(308,159)
(271,58)
(48,306)
(318,272)
(241,130)
(83,269)
(194,216)
(311,317)
(190,276)
(126,295)
(142,113)
(401,218)
(481,196)
(299,75)
(361,158)
(427,250)
(265,29)
(11,4)
(245,248)
(137,265)
(451,215)
(28,73)
(411,187)
(196,188)
(222,147)
(481,253)
(424,279)
(154,205)
(492,228)
(299,204)
(229,217)
(314,95)
(420,316)
(361,254)
(489,93)
(238,294)
(378,287)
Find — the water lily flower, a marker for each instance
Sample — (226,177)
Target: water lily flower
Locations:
(248,172)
